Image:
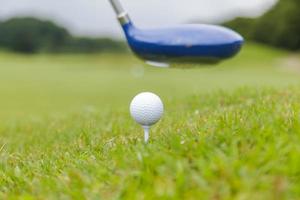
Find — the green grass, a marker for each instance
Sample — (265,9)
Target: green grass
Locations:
(31,85)
(229,132)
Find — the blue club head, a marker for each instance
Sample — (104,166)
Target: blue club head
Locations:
(184,44)
(197,44)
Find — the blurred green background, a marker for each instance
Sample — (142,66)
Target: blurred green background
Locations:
(44,68)
(60,83)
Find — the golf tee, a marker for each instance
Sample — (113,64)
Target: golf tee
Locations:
(146,133)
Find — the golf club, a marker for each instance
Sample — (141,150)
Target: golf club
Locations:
(191,43)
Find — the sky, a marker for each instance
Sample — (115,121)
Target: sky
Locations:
(96,17)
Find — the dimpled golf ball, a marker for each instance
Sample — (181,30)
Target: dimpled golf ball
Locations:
(146,108)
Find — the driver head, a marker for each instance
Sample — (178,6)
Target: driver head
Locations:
(184,44)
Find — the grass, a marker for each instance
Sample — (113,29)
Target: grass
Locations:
(32,85)
(230,132)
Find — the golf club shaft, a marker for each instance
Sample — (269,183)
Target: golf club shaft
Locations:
(122,15)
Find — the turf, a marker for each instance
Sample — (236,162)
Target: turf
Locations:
(229,132)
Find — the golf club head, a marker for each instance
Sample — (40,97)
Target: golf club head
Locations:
(196,44)
(193,44)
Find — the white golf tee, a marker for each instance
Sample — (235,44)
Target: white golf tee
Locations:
(146,133)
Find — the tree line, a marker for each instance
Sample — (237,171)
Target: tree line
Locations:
(30,35)
(280,27)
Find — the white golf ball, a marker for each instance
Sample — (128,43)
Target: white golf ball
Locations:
(146,108)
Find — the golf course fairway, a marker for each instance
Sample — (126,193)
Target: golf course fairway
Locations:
(228,132)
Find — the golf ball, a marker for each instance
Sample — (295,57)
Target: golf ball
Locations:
(146,108)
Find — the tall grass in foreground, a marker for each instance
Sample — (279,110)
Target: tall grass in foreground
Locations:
(240,145)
